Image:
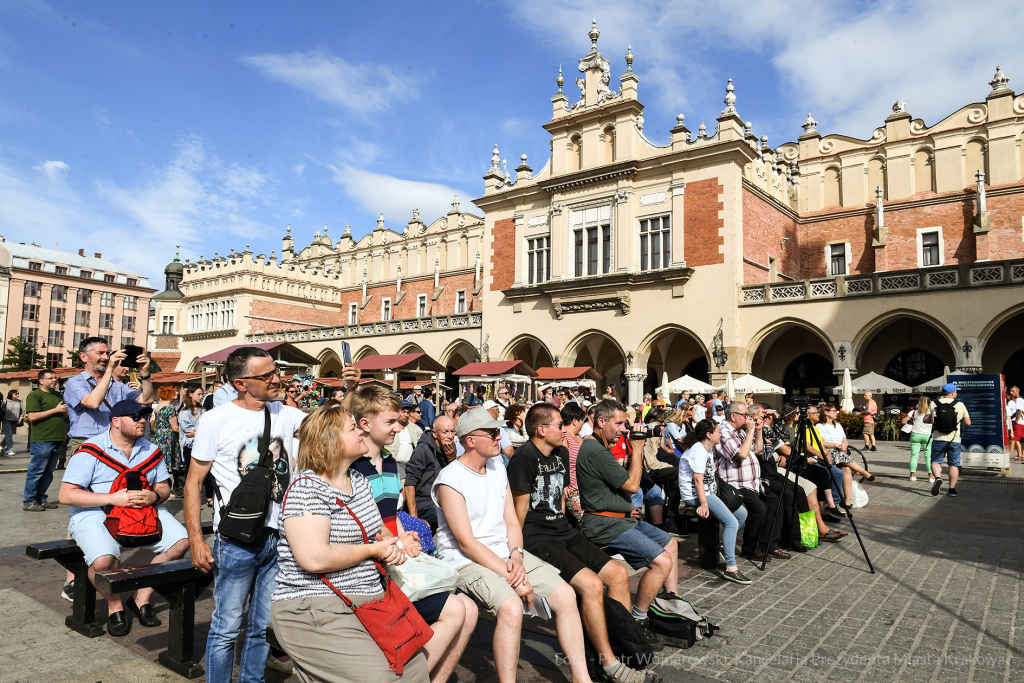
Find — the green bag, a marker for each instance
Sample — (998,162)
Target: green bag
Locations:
(808,530)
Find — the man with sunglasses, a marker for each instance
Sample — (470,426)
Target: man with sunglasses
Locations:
(86,488)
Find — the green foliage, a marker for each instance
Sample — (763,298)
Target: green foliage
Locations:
(76,361)
(887,429)
(21,356)
(853,424)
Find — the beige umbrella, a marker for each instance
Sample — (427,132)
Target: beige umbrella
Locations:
(847,391)
(730,387)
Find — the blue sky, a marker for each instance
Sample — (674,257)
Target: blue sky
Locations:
(128,127)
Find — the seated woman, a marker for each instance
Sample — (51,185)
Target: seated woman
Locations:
(698,488)
(320,632)
(833,439)
(817,465)
(515,416)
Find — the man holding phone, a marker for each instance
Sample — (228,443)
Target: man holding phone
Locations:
(45,410)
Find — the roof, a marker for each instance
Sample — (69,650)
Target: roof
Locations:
(279,350)
(173,377)
(563,373)
(30,251)
(400,361)
(498,367)
(169,294)
(32,374)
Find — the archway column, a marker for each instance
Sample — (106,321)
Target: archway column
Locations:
(968,354)
(635,386)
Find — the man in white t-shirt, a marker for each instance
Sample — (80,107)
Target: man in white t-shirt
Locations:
(479,534)
(226,445)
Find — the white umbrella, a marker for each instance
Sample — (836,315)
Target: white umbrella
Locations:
(877,384)
(935,386)
(847,392)
(730,387)
(663,389)
(749,384)
(687,383)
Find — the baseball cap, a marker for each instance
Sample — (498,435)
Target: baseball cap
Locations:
(948,388)
(127,407)
(474,419)
(490,404)
(418,387)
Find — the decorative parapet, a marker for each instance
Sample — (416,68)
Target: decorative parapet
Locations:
(380,328)
(597,292)
(880,284)
(211,334)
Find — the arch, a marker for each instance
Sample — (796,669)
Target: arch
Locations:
(529,349)
(780,345)
(924,169)
(876,177)
(458,354)
(832,194)
(411,347)
(194,365)
(869,331)
(601,352)
(364,352)
(671,349)
(897,331)
(1001,342)
(331,364)
(914,366)
(608,146)
(810,374)
(989,330)
(782,323)
(575,152)
(975,159)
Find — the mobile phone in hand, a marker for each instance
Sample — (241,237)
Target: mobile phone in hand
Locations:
(132,354)
(346,356)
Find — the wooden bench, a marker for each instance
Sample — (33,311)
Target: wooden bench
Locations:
(182,583)
(708,533)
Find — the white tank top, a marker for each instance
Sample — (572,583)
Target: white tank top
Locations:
(485,502)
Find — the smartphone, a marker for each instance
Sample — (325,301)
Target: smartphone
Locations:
(346,356)
(540,608)
(131,354)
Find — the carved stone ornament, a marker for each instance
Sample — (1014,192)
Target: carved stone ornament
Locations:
(899,107)
(810,125)
(595,60)
(620,301)
(537,220)
(622,196)
(730,100)
(640,122)
(653,199)
(555,210)
(999,81)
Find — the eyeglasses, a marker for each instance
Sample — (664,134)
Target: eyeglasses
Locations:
(265,377)
(742,414)
(292,391)
(141,415)
(560,425)
(491,434)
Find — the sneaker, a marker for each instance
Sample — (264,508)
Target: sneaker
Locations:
(931,480)
(50,505)
(285,667)
(736,577)
(68,592)
(913,477)
(936,485)
(873,449)
(951,492)
(34,506)
(651,636)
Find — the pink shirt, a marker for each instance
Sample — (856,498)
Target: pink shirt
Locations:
(872,410)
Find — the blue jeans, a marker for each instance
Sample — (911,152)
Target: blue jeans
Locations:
(653,496)
(43,460)
(9,429)
(946,450)
(731,521)
(241,570)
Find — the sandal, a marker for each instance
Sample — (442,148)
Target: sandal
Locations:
(624,674)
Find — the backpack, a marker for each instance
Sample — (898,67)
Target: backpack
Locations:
(624,635)
(945,420)
(242,517)
(676,621)
(130,527)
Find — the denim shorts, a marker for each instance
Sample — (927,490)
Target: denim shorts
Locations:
(950,450)
(640,546)
(95,541)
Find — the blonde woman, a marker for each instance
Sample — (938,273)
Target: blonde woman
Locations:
(320,632)
(920,437)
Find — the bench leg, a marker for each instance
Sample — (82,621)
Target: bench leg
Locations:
(83,614)
(707,539)
(181,626)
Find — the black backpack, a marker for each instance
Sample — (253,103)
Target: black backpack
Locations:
(626,638)
(242,517)
(945,420)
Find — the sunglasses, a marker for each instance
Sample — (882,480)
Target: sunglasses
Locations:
(265,377)
(140,415)
(292,391)
(489,433)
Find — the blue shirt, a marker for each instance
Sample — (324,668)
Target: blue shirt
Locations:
(225,394)
(427,418)
(87,471)
(88,422)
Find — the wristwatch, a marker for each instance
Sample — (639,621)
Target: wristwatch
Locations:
(517,550)
(143,376)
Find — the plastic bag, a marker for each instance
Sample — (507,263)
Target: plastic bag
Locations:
(808,530)
(424,575)
(860,496)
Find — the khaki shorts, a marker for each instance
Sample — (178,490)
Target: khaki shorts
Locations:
(492,589)
(869,429)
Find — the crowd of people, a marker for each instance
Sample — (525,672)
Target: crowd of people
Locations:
(525,507)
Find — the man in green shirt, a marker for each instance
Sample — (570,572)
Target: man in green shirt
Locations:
(606,489)
(46,412)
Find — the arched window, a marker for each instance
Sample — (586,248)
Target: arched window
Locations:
(914,366)
(924,171)
(974,157)
(576,153)
(832,195)
(876,178)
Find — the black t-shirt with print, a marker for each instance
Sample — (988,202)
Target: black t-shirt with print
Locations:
(545,477)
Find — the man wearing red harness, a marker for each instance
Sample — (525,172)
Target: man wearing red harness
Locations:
(86,488)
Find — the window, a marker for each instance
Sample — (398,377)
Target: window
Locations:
(109,277)
(34,265)
(55,338)
(60,270)
(592,232)
(385,309)
(421,306)
(930,249)
(107,299)
(78,338)
(82,318)
(133,282)
(31,288)
(104,337)
(87,274)
(58,316)
(167,324)
(460,301)
(131,303)
(28,335)
(655,243)
(538,259)
(127,324)
(353,313)
(837,258)
(127,341)
(106,321)
(84,296)
(59,293)
(29,312)
(54,360)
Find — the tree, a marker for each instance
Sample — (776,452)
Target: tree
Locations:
(76,360)
(22,356)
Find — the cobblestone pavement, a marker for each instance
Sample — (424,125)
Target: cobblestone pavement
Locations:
(942,606)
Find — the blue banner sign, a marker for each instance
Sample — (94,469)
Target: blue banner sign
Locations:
(984,396)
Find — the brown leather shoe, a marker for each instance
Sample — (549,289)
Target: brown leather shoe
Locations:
(780,554)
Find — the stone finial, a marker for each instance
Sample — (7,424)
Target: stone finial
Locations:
(289,228)
(679,119)
(325,229)
(380,222)
(810,125)
(764,144)
(594,34)
(730,100)
(629,58)
(879,209)
(456,206)
(496,159)
(999,81)
(416,215)
(747,132)
(702,131)
(177,249)
(899,107)
(348,230)
(560,80)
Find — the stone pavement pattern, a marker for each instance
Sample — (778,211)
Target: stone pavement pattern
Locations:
(942,606)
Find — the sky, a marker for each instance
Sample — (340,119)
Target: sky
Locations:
(127,128)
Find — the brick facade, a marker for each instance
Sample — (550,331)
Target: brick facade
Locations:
(701,224)
(288,316)
(764,227)
(503,254)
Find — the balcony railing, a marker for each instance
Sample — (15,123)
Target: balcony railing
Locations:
(372,329)
(881,284)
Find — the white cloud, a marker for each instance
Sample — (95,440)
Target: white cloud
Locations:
(101,119)
(363,89)
(396,197)
(54,170)
(517,128)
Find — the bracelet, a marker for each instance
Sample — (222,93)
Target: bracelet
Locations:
(144,376)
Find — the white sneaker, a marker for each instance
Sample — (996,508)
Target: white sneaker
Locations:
(285,667)
(931,480)
(913,477)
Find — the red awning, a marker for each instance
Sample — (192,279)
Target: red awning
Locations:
(399,361)
(279,350)
(555,374)
(174,377)
(61,373)
(494,368)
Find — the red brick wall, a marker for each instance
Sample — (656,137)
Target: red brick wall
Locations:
(301,315)
(764,226)
(814,236)
(701,223)
(503,254)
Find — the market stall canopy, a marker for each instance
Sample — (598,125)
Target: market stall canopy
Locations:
(173,377)
(876,384)
(748,384)
(686,383)
(284,352)
(935,386)
(403,362)
(496,369)
(560,374)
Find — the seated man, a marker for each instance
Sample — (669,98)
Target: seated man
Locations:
(606,495)
(86,488)
(538,476)
(504,443)
(479,534)
(432,454)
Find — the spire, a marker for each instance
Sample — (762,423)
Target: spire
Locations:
(629,57)
(560,81)
(730,101)
(177,256)
(594,34)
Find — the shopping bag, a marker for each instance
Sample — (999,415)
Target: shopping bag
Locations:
(860,496)
(808,530)
(423,575)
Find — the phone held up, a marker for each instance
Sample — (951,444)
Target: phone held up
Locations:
(132,354)
(346,356)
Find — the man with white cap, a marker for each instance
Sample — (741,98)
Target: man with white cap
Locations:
(504,443)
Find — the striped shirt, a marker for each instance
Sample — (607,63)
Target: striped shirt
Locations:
(386,486)
(311,493)
(743,474)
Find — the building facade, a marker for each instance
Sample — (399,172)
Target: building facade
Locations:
(901,253)
(55,299)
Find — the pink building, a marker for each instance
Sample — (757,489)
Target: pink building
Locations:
(54,299)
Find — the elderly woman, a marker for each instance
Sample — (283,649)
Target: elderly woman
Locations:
(325,639)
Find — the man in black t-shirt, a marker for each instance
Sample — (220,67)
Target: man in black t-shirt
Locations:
(538,475)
